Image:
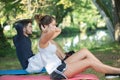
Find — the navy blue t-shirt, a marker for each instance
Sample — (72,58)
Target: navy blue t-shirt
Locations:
(23,46)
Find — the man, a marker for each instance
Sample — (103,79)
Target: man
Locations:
(22,42)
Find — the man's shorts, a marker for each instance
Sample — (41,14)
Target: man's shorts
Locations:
(35,64)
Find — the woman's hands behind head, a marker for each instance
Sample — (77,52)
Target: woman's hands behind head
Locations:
(44,29)
(53,27)
(50,28)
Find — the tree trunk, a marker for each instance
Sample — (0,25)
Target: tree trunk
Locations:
(2,36)
(106,14)
(116,19)
(4,44)
(112,14)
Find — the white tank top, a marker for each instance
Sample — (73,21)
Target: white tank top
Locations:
(49,57)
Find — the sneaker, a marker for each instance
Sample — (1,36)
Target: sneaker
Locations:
(111,76)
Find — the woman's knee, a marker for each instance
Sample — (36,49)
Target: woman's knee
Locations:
(83,51)
(86,51)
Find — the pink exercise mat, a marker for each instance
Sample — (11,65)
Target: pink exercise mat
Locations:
(46,77)
(85,77)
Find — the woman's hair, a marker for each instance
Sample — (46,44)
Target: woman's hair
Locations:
(44,20)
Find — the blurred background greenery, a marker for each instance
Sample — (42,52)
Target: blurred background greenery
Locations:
(93,24)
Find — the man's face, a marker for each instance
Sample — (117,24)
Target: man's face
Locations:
(28,29)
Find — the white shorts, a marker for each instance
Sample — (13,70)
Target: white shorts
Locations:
(35,64)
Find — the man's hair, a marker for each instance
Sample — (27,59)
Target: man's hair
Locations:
(24,22)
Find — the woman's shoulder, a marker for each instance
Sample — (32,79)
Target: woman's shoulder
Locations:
(43,45)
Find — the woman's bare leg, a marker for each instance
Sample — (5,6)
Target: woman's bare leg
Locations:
(76,68)
(82,54)
(84,59)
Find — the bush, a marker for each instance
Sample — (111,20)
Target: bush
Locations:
(70,30)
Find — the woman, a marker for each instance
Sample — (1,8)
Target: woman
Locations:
(53,57)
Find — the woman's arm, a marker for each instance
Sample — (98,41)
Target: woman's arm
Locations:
(46,36)
(57,32)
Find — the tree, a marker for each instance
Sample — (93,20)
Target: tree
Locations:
(116,18)
(55,8)
(110,10)
(8,9)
